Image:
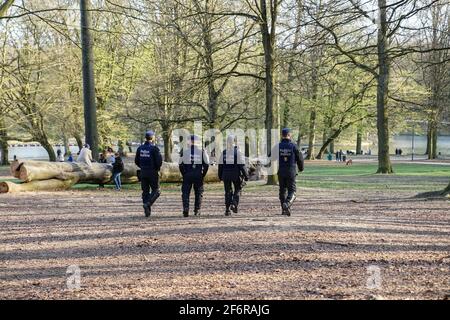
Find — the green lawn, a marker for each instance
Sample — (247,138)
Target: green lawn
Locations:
(407,177)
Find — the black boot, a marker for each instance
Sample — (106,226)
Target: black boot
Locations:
(227,211)
(286,209)
(147,209)
(186,213)
(288,204)
(234,207)
(197,212)
(154,196)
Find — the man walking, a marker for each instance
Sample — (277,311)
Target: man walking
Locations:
(194,164)
(290,159)
(149,160)
(232,172)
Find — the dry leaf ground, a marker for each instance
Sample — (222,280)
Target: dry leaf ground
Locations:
(322,252)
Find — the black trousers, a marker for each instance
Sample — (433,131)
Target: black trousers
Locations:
(288,187)
(150,181)
(190,181)
(232,196)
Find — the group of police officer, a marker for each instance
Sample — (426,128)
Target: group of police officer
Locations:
(194,165)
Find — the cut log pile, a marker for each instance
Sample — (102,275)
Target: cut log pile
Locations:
(51,176)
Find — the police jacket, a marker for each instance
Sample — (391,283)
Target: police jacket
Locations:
(194,163)
(289,158)
(148,158)
(232,167)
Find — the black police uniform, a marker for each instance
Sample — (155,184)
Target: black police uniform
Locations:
(149,160)
(232,172)
(193,168)
(290,158)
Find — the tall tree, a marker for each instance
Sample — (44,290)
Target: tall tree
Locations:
(90,109)
(268,24)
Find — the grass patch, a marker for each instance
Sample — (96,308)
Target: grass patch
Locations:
(407,177)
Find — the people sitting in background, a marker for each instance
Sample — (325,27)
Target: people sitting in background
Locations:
(70,158)
(59,156)
(85,155)
(102,159)
(109,155)
(118,168)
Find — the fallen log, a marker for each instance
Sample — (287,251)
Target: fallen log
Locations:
(48,176)
(39,185)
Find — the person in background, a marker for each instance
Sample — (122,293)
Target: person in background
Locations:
(85,155)
(117,171)
(70,158)
(102,159)
(329,156)
(59,156)
(109,156)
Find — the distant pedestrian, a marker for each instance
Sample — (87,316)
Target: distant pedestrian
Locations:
(337,156)
(117,170)
(329,156)
(70,158)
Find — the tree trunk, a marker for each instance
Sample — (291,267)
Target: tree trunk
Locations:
(4,6)
(299,139)
(90,109)
(324,138)
(48,147)
(167,138)
(429,140)
(327,142)
(268,39)
(434,142)
(359,141)
(79,141)
(384,161)
(3,144)
(66,144)
(311,135)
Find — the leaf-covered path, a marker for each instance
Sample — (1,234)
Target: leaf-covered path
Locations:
(323,251)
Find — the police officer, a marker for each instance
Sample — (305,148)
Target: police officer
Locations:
(149,160)
(290,159)
(232,172)
(194,164)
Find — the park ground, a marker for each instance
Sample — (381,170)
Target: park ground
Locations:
(348,226)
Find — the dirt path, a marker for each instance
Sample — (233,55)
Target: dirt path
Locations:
(322,251)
